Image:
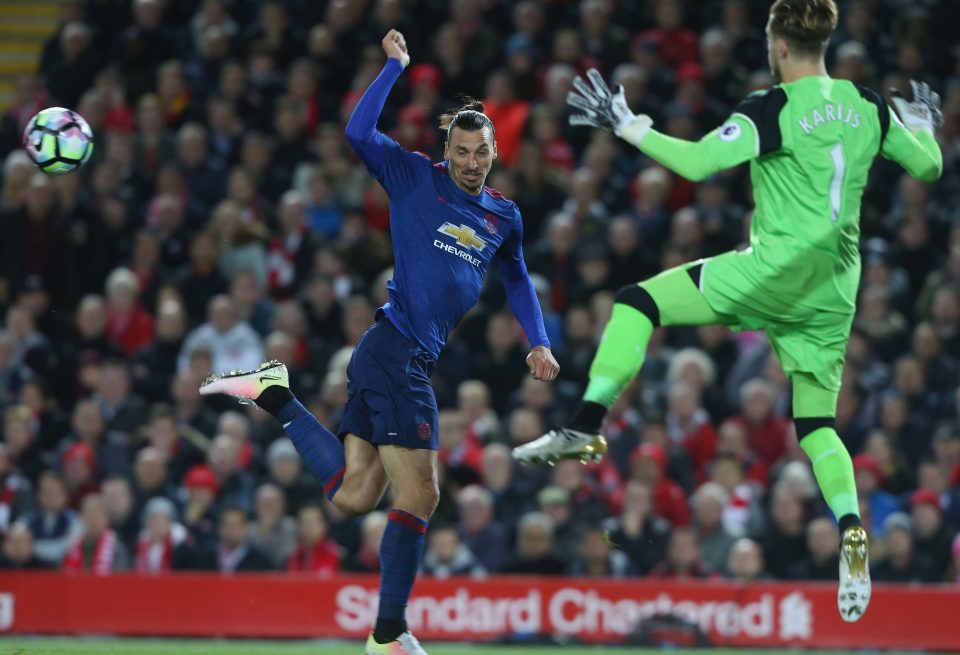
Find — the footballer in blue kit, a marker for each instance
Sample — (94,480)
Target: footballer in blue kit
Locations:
(447,228)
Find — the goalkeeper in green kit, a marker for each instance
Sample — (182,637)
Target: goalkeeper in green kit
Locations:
(811,141)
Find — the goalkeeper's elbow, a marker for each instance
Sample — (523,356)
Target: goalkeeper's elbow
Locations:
(931,172)
(698,174)
(930,175)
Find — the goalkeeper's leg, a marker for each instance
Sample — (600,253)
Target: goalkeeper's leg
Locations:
(814,409)
(670,298)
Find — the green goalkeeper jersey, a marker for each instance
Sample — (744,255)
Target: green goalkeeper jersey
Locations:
(811,143)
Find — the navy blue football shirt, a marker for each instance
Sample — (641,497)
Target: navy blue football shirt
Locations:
(444,239)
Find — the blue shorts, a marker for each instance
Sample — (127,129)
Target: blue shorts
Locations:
(389,397)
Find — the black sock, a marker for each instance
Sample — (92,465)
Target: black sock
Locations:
(848,521)
(274,398)
(388,630)
(588,417)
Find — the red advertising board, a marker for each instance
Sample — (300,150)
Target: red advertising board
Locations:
(768,614)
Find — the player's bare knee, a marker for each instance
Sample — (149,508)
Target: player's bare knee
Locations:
(419,499)
(353,502)
(430,499)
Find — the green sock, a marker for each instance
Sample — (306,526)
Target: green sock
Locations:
(834,470)
(620,356)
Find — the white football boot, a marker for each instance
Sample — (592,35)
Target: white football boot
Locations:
(247,385)
(405,644)
(562,443)
(853,595)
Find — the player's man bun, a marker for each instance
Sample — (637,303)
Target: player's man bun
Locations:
(805,24)
(468,116)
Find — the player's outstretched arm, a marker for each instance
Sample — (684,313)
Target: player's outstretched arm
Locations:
(694,160)
(525,306)
(910,139)
(362,134)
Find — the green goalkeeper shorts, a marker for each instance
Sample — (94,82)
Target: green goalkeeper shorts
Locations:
(805,339)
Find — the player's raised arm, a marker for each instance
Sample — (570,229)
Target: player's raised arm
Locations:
(369,143)
(525,306)
(733,143)
(909,140)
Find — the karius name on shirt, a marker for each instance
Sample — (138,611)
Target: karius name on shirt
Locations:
(829,113)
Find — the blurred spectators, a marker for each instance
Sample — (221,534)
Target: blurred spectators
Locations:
(446,556)
(54,526)
(784,541)
(901,562)
(235,553)
(932,537)
(275,533)
(745,563)
(224,220)
(367,557)
(19,550)
(598,558)
(715,540)
(648,464)
(160,545)
(16,492)
(232,343)
(478,529)
(683,557)
(315,551)
(636,531)
(823,548)
(535,548)
(98,550)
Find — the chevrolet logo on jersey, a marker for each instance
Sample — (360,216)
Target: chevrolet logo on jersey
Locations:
(464,235)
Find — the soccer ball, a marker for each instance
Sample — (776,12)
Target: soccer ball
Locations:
(58,140)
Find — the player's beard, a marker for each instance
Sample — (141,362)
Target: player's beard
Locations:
(472,185)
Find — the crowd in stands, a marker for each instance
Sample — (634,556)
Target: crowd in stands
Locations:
(224,221)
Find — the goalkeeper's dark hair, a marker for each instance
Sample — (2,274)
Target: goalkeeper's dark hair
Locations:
(469,116)
(806,25)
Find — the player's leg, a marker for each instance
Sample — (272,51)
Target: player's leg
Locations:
(413,474)
(671,298)
(364,479)
(402,411)
(814,410)
(269,387)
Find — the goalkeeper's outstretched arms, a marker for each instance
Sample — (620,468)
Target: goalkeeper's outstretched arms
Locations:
(910,140)
(367,141)
(731,144)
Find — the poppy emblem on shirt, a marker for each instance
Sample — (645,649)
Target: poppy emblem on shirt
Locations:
(492,223)
(465,236)
(424,430)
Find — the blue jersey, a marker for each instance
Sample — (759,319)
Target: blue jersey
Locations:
(444,239)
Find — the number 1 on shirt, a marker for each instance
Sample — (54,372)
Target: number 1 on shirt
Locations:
(836,184)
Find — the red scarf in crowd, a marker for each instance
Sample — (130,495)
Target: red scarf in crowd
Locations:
(6,501)
(144,563)
(282,260)
(323,558)
(102,563)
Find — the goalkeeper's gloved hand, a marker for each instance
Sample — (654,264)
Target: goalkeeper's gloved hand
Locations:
(923,113)
(603,108)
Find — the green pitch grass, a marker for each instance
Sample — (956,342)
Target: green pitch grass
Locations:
(107,646)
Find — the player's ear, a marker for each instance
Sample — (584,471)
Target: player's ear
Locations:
(446,149)
(494,148)
(783,50)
